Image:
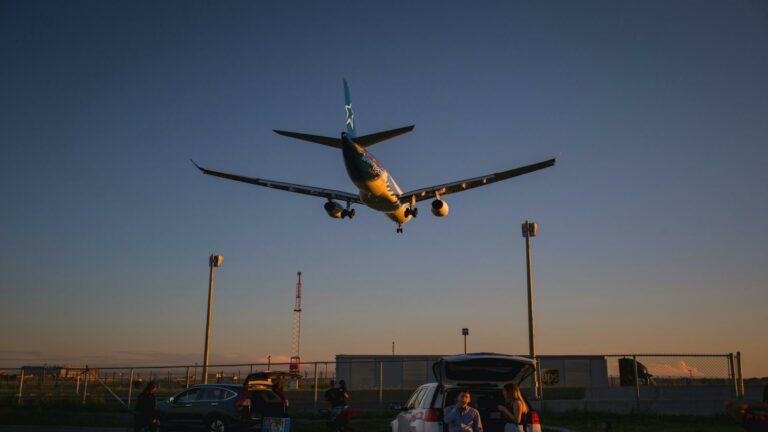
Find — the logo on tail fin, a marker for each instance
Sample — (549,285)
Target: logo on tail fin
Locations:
(350,117)
(348,108)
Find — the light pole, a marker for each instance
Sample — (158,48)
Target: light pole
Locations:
(529,230)
(213,262)
(465,333)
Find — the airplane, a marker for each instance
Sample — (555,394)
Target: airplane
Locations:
(376,187)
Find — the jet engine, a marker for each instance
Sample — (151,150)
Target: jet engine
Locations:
(333,209)
(439,208)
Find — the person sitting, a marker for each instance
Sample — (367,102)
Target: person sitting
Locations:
(514,408)
(462,417)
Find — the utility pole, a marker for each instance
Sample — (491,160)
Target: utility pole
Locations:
(529,230)
(213,262)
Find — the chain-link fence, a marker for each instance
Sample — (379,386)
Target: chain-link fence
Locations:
(375,382)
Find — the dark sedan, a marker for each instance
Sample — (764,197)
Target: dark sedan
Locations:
(220,408)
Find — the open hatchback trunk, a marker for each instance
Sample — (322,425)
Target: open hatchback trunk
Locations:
(265,379)
(486,369)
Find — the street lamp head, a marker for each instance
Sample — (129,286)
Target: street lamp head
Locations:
(216,260)
(465,331)
(529,229)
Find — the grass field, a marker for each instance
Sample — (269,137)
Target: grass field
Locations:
(77,415)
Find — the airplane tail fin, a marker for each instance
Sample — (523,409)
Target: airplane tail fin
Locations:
(363,141)
(350,115)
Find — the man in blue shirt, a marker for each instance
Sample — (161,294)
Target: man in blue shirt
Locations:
(462,417)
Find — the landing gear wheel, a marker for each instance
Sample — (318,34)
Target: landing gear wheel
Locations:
(399,229)
(344,213)
(351,213)
(414,212)
(217,425)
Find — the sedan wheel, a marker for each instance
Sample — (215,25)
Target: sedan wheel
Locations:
(217,425)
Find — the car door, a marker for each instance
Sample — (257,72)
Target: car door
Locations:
(181,411)
(215,401)
(411,410)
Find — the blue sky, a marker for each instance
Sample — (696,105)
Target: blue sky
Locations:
(653,235)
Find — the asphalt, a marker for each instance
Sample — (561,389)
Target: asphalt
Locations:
(26,428)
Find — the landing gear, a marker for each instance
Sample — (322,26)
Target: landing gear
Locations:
(348,212)
(411,211)
(399,228)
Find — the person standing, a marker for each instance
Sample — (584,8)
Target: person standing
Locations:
(144,410)
(514,408)
(330,394)
(462,417)
(343,393)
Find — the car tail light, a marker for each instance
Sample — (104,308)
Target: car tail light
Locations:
(534,422)
(433,415)
(244,402)
(535,418)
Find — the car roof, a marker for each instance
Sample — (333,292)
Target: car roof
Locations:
(226,386)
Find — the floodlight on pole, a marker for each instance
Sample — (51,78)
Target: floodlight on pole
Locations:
(465,333)
(530,229)
(214,261)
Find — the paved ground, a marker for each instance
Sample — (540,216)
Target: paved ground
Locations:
(9,428)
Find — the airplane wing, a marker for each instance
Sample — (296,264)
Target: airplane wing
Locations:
(290,187)
(462,185)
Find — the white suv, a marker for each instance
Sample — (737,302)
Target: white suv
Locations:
(483,375)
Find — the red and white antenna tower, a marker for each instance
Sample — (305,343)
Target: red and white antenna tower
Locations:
(296,334)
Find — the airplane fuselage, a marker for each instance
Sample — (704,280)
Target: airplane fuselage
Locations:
(377,188)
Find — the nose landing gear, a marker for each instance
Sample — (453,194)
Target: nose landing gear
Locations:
(399,229)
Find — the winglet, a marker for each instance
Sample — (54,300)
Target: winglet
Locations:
(196,165)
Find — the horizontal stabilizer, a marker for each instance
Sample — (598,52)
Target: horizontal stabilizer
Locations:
(329,141)
(369,140)
(363,141)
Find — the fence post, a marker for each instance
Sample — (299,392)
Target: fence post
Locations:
(85,384)
(637,381)
(315,386)
(741,376)
(381,384)
(130,387)
(732,371)
(541,385)
(21,387)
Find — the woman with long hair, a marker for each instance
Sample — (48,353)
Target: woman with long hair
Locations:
(514,408)
(144,412)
